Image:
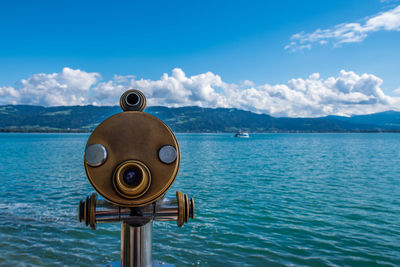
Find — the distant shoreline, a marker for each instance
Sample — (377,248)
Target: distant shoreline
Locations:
(84,119)
(208,132)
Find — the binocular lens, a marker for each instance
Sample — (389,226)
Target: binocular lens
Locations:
(132,177)
(132,99)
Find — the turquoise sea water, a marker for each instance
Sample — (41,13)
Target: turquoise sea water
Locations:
(271,200)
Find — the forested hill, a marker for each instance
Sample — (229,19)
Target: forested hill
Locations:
(22,118)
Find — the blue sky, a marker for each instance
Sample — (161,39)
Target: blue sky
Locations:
(235,40)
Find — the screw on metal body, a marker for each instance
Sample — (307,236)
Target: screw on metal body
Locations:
(95,155)
(167,154)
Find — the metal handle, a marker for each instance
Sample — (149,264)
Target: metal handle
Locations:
(94,210)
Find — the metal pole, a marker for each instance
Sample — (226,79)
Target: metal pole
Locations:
(136,245)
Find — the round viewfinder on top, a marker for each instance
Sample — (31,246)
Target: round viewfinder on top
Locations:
(133,100)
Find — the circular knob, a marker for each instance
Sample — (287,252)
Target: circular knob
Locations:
(86,211)
(185,208)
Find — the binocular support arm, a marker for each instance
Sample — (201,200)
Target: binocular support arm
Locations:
(94,210)
(136,223)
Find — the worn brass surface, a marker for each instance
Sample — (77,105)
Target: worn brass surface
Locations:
(133,135)
(87,211)
(92,211)
(185,208)
(186,199)
(191,208)
(181,209)
(129,191)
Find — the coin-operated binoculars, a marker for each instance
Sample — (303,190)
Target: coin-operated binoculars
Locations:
(131,159)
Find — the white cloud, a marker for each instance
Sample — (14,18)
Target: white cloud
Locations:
(348,93)
(70,87)
(388,1)
(347,32)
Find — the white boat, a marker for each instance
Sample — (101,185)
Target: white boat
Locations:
(242,134)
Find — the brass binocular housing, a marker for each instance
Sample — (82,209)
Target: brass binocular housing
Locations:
(132,158)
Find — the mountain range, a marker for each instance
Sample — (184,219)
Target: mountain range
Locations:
(25,118)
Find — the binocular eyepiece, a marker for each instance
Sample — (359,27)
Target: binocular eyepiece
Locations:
(133,100)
